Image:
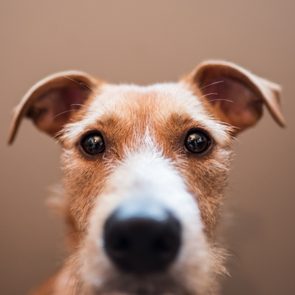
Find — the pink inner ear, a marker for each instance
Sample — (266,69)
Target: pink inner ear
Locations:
(75,96)
(51,111)
(234,102)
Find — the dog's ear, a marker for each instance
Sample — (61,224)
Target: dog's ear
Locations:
(235,95)
(51,102)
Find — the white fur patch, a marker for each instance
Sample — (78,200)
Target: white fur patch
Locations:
(146,172)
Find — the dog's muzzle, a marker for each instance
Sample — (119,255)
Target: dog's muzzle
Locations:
(142,236)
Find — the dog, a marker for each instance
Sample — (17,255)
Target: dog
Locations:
(144,173)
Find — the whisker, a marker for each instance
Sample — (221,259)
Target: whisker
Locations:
(222,99)
(64,112)
(81,106)
(78,104)
(213,83)
(84,85)
(212,93)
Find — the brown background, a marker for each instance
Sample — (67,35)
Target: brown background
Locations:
(145,42)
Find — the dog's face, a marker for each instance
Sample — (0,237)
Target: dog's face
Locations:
(145,170)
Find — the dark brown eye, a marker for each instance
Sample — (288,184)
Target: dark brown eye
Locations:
(197,141)
(93,144)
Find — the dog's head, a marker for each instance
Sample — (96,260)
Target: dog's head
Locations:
(145,170)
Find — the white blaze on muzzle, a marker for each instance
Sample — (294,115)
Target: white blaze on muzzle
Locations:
(147,173)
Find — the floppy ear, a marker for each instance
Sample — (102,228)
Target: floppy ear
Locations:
(236,96)
(51,102)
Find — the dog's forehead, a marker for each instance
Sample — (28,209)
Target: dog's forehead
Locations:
(156,99)
(146,104)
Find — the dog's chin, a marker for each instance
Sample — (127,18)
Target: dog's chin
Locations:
(140,285)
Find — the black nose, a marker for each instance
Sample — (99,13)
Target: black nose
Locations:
(142,237)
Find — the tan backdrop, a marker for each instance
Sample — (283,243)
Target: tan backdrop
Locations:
(145,42)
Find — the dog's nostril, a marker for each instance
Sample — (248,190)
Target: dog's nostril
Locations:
(164,246)
(142,238)
(120,245)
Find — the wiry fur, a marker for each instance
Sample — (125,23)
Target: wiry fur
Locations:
(144,129)
(92,191)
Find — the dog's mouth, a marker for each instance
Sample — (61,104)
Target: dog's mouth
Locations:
(160,285)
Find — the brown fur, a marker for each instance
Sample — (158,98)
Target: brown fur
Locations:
(123,122)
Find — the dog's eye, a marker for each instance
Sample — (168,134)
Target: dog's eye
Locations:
(197,141)
(93,143)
